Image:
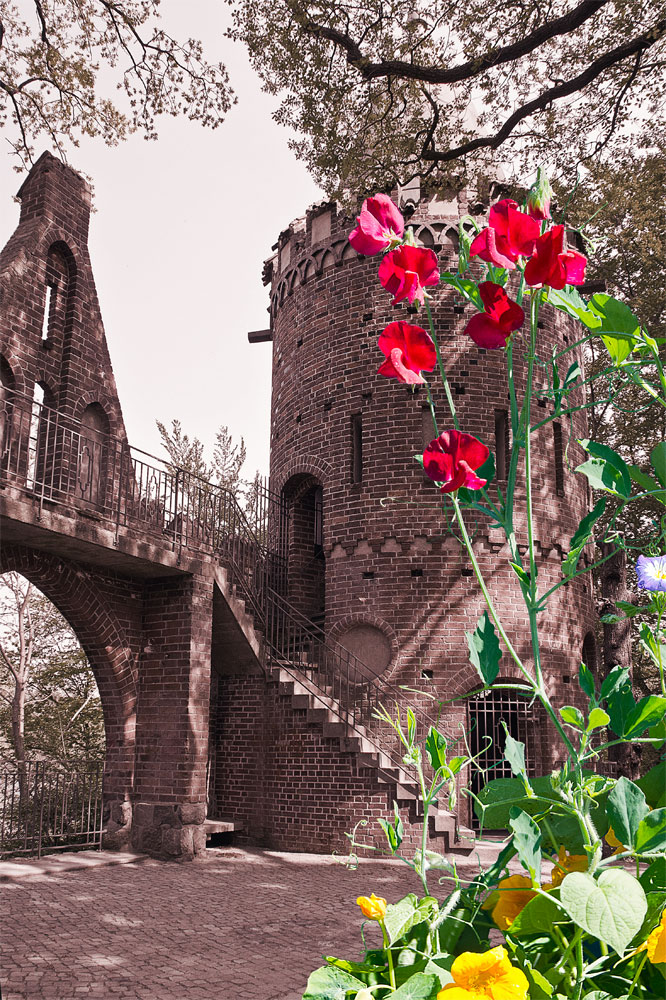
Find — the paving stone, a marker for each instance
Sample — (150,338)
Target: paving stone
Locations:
(241,923)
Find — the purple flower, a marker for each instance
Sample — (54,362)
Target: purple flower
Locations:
(651,572)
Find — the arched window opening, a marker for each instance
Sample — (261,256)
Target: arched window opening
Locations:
(7,389)
(306,565)
(52,737)
(59,282)
(589,653)
(488,713)
(93,455)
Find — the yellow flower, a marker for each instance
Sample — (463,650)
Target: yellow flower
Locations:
(512,895)
(373,907)
(477,977)
(567,863)
(656,942)
(612,841)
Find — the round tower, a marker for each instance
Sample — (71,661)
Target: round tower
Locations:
(370,554)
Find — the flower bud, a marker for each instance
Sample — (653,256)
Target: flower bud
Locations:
(373,907)
(539,196)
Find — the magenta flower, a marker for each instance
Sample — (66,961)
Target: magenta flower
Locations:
(406,271)
(452,460)
(409,350)
(553,264)
(378,226)
(493,328)
(651,572)
(510,234)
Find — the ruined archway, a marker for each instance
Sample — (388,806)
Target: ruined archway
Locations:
(80,601)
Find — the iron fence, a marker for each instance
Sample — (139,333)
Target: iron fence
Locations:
(45,808)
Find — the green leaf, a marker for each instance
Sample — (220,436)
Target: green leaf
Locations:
(484,649)
(647,483)
(411,727)
(435,967)
(456,763)
(597,719)
(619,327)
(514,753)
(537,917)
(522,574)
(467,288)
(655,650)
(572,376)
(648,712)
(526,840)
(614,681)
(611,908)
(568,300)
(654,877)
(417,987)
(409,911)
(651,835)
(586,681)
(606,470)
(658,461)
(331,983)
(620,702)
(626,807)
(572,716)
(630,610)
(582,537)
(653,783)
(360,967)
(394,832)
(436,747)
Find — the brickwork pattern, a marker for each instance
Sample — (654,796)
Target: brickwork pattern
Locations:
(393,560)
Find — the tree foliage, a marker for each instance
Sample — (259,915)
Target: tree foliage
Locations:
(187,453)
(386,90)
(60,59)
(49,703)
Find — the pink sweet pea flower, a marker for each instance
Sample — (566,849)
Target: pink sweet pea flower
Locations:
(452,458)
(510,234)
(406,271)
(554,265)
(378,226)
(409,350)
(493,328)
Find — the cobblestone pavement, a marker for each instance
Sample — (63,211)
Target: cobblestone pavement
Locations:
(239,925)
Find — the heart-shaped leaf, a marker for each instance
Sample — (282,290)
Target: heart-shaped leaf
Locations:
(611,908)
(626,807)
(417,987)
(331,983)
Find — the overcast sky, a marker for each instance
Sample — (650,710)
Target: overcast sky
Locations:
(177,243)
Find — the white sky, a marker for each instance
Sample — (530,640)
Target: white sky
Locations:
(177,243)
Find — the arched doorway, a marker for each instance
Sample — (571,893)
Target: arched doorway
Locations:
(93,455)
(306,566)
(488,713)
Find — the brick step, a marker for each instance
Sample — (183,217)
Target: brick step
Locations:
(220,825)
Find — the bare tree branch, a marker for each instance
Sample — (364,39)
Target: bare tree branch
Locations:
(540,103)
(465,71)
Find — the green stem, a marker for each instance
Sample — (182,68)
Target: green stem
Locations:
(579,965)
(389,956)
(637,976)
(424,832)
(660,663)
(533,598)
(442,370)
(537,688)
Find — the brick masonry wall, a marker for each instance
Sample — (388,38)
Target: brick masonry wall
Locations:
(328,309)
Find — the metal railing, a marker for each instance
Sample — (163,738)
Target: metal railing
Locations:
(45,808)
(338,680)
(56,460)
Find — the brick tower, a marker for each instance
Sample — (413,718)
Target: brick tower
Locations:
(370,557)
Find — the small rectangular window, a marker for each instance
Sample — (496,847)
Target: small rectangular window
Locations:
(558,451)
(427,427)
(357,448)
(502,446)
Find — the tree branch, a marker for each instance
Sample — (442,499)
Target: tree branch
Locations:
(464,71)
(595,69)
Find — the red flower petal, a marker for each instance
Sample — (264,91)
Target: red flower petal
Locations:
(406,271)
(486,332)
(485,246)
(451,458)
(379,223)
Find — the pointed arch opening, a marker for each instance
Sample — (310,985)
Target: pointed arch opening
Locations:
(303,495)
